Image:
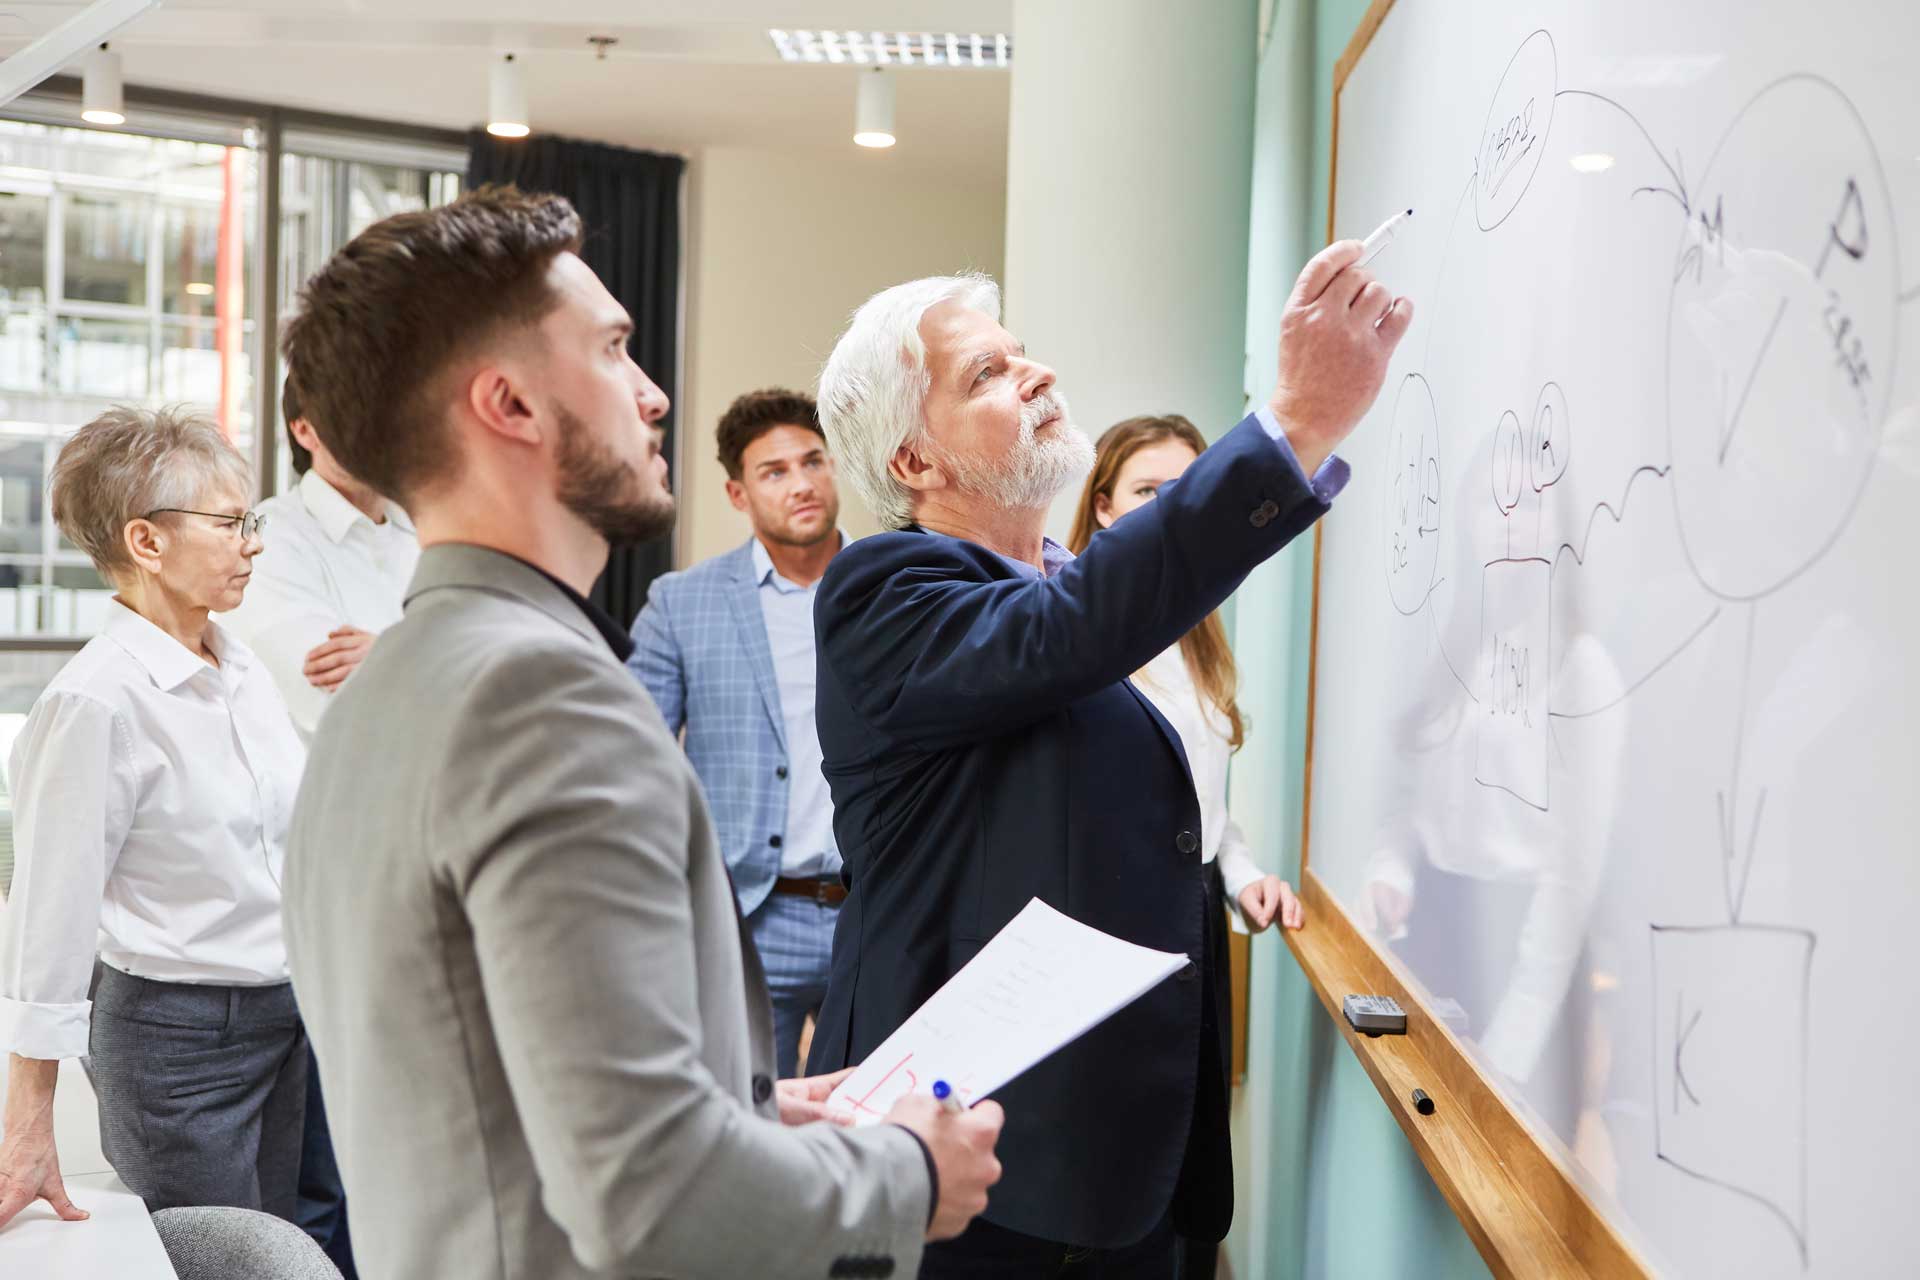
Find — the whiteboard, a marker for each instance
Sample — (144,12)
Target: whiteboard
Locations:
(1614,748)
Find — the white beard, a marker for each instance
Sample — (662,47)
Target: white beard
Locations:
(1036,470)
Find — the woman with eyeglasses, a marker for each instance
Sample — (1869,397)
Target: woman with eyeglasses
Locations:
(152,784)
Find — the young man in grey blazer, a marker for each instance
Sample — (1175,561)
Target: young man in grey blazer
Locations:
(726,650)
(544,1036)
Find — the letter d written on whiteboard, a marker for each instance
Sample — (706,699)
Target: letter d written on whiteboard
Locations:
(1042,982)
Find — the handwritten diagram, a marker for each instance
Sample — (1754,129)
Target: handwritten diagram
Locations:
(1781,339)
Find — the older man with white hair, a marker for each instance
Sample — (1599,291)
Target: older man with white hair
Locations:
(984,746)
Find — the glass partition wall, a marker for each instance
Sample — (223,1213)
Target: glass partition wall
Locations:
(147,265)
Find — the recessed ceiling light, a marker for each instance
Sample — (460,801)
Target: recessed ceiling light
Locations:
(881,48)
(200,289)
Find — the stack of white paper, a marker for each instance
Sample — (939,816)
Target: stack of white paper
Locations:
(1041,983)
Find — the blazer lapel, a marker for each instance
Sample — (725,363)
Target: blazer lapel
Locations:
(751,626)
(1167,731)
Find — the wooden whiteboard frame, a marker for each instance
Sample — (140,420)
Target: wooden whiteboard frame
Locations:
(1523,1207)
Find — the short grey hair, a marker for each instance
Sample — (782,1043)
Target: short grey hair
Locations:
(127,463)
(873,390)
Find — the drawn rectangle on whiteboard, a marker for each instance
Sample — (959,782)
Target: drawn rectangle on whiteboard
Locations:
(1039,984)
(1730,1046)
(1515,669)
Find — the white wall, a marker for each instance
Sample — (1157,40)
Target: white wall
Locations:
(1129,142)
(782,246)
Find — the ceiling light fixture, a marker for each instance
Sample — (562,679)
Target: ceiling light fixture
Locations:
(507,100)
(200,289)
(101,98)
(923,48)
(873,112)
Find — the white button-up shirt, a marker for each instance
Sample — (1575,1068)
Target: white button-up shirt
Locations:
(324,565)
(807,848)
(1206,733)
(151,796)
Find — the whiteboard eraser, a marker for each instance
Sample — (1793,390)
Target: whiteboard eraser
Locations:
(1375,1015)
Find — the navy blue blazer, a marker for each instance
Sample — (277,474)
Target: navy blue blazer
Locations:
(985,747)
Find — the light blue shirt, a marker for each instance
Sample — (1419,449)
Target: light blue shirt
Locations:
(1326,484)
(807,848)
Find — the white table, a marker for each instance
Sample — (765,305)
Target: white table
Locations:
(118,1242)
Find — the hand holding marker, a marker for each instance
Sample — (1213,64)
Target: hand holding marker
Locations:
(1382,237)
(944,1095)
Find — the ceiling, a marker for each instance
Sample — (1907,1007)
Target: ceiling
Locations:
(693,74)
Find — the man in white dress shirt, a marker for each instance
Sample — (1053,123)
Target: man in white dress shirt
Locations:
(334,579)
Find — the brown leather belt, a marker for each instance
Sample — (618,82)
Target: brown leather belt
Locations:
(825,890)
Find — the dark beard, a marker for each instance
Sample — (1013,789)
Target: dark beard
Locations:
(785,539)
(604,491)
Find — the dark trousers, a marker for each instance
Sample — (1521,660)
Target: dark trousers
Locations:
(322,1211)
(1200,1255)
(985,1250)
(1204,1197)
(202,1091)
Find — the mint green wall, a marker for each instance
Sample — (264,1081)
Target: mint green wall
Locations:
(1328,1186)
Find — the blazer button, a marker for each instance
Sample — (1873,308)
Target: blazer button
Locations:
(1259,519)
(1190,973)
(774,841)
(762,1089)
(1187,842)
(781,773)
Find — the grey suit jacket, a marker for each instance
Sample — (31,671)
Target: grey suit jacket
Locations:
(546,1044)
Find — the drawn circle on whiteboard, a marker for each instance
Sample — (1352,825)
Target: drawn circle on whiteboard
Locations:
(1508,462)
(1549,438)
(1782,336)
(1412,496)
(1515,135)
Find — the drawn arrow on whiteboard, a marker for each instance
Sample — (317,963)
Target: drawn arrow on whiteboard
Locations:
(1733,866)
(1676,169)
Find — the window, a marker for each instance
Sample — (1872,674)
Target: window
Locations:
(131,273)
(126,266)
(334,186)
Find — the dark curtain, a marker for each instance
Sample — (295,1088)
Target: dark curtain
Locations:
(629,202)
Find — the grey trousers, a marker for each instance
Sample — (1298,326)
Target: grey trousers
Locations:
(202,1090)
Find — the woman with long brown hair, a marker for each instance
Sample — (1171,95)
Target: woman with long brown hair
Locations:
(1194,683)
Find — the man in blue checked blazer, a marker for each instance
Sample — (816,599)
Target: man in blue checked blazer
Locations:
(726,650)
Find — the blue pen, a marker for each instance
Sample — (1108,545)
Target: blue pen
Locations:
(944,1095)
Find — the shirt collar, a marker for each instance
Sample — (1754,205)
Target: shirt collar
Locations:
(1053,558)
(617,640)
(763,565)
(335,514)
(169,663)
